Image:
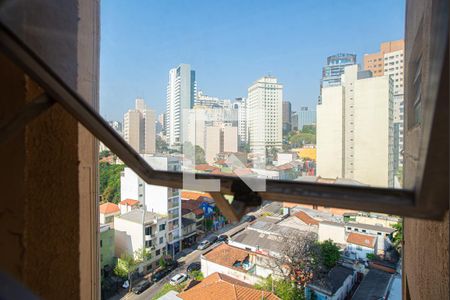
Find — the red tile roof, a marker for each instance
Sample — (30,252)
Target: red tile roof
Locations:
(130,202)
(307,219)
(205,168)
(191,195)
(220,286)
(361,240)
(227,256)
(108,208)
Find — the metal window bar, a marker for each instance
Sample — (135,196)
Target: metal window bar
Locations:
(384,200)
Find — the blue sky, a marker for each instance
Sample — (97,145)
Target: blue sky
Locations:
(231,43)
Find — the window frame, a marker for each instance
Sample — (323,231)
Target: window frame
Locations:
(402,202)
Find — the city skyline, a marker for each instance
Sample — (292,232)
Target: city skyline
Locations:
(226,63)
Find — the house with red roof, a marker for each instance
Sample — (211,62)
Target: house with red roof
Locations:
(107,212)
(127,205)
(360,245)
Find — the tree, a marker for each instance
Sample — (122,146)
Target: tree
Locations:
(285,289)
(161,145)
(110,182)
(197,275)
(301,138)
(329,253)
(188,151)
(397,237)
(162,263)
(104,153)
(142,255)
(309,129)
(299,257)
(125,265)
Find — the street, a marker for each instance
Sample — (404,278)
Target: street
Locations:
(230,230)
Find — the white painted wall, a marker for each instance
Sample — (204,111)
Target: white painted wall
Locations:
(209,268)
(329,133)
(373,135)
(336,233)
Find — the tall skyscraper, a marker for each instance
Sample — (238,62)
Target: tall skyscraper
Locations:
(264,114)
(331,73)
(306,116)
(389,62)
(355,129)
(181,94)
(139,128)
(240,104)
(294,121)
(287,117)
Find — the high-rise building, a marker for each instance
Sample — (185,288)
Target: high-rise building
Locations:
(306,116)
(355,129)
(158,199)
(240,104)
(181,95)
(389,62)
(208,101)
(139,128)
(264,114)
(294,121)
(287,117)
(331,73)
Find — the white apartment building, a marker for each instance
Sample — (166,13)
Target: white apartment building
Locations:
(158,199)
(390,62)
(137,230)
(264,114)
(181,95)
(240,104)
(139,128)
(213,129)
(355,129)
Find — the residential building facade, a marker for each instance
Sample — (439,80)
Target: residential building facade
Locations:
(181,95)
(158,199)
(139,128)
(138,230)
(264,114)
(390,62)
(355,129)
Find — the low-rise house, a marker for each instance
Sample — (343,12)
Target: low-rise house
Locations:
(230,261)
(108,211)
(382,233)
(107,259)
(189,231)
(190,209)
(335,286)
(128,205)
(221,286)
(138,230)
(360,245)
(375,285)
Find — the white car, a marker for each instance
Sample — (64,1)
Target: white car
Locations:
(177,279)
(203,245)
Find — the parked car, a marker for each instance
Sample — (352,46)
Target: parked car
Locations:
(222,238)
(177,279)
(158,275)
(141,286)
(195,266)
(249,218)
(172,265)
(212,239)
(204,244)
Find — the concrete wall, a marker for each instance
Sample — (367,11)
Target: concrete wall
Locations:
(50,182)
(330,133)
(209,268)
(373,132)
(335,233)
